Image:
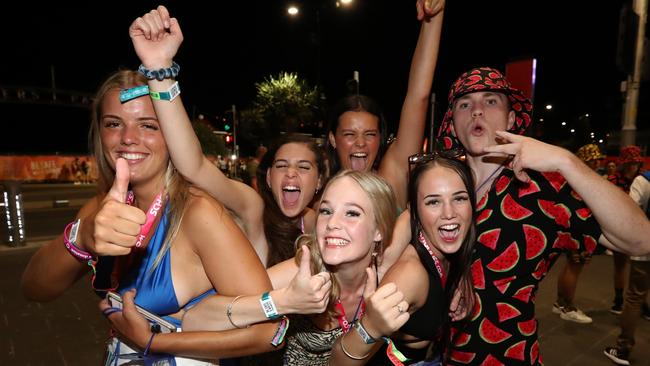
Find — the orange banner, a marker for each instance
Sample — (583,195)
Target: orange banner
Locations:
(48,168)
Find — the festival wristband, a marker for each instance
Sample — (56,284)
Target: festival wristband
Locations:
(278,337)
(268,306)
(70,238)
(169,95)
(396,357)
(132,93)
(363,333)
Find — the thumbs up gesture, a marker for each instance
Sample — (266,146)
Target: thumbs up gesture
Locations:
(386,309)
(307,293)
(117,224)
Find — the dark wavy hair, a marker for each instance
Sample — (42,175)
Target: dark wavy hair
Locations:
(280,230)
(459,275)
(355,103)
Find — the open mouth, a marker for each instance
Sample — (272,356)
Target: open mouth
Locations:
(477,130)
(449,232)
(359,161)
(132,157)
(290,195)
(336,242)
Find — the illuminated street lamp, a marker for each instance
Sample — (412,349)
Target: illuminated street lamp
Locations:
(293,10)
(573,130)
(563,123)
(549,107)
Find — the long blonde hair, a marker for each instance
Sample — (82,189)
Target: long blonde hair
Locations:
(175,185)
(384,207)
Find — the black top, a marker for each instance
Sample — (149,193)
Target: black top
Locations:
(425,322)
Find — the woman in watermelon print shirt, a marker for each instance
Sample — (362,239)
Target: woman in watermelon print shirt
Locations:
(535,200)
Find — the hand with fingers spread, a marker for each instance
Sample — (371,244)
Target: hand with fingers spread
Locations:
(386,309)
(156,38)
(307,293)
(428,8)
(117,224)
(128,322)
(529,154)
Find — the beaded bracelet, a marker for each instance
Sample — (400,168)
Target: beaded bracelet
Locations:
(69,238)
(160,74)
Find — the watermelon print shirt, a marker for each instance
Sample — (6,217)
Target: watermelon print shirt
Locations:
(521,230)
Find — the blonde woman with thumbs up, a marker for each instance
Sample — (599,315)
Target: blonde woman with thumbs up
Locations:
(154,233)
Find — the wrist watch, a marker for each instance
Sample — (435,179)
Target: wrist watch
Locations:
(367,338)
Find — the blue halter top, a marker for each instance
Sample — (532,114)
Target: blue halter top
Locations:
(155,288)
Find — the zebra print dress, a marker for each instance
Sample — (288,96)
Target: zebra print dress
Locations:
(307,344)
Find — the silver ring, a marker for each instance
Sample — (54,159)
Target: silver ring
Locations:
(399,308)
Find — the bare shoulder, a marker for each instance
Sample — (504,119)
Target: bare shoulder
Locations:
(410,276)
(199,202)
(204,214)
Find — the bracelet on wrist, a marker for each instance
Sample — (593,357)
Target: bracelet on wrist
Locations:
(268,306)
(170,94)
(347,353)
(229,313)
(147,349)
(363,333)
(280,332)
(69,240)
(160,74)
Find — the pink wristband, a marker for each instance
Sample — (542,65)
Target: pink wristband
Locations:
(79,254)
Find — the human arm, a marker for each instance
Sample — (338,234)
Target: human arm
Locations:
(622,222)
(209,251)
(132,325)
(156,49)
(640,194)
(52,270)
(304,294)
(113,226)
(403,290)
(410,133)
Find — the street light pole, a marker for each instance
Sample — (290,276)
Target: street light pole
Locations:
(630,110)
(234,131)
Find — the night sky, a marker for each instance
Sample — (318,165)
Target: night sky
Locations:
(228,48)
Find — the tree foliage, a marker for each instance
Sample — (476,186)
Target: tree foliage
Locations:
(285,102)
(211,144)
